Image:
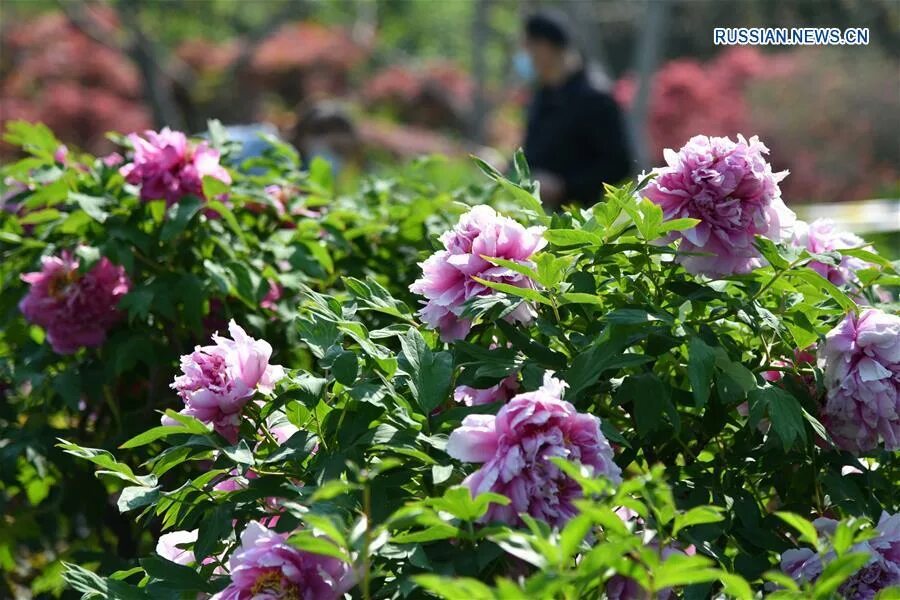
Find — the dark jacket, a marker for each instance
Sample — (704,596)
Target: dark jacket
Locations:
(577,132)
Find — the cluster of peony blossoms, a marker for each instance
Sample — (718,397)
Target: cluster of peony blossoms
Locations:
(168,167)
(821,236)
(217,381)
(516,446)
(880,572)
(861,363)
(448,276)
(731,188)
(76,309)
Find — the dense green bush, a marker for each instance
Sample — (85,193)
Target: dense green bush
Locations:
(714,421)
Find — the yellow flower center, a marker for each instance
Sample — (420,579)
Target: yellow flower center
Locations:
(271,582)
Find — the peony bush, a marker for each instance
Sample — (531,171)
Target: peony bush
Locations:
(408,392)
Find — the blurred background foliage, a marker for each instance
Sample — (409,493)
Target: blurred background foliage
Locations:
(418,77)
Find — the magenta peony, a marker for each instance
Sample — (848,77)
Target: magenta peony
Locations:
(447,280)
(861,361)
(168,167)
(516,446)
(266,567)
(217,381)
(76,309)
(819,237)
(732,190)
(501,392)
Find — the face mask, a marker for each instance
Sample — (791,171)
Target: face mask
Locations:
(523,66)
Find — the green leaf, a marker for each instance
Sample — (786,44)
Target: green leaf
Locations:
(701,363)
(225,213)
(214,187)
(93,586)
(771,253)
(698,515)
(580,298)
(649,397)
(806,529)
(785,414)
(215,527)
(107,462)
(430,373)
(814,279)
(151,435)
(92,205)
(454,588)
(176,576)
(458,501)
(572,237)
(136,496)
(314,544)
(678,225)
(519,292)
(179,216)
(514,266)
(345,367)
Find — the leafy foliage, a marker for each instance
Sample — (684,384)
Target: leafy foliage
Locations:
(722,467)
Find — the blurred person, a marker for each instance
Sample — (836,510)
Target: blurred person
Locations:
(576,138)
(326,130)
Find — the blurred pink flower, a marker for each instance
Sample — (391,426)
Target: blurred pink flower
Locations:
(447,280)
(861,360)
(61,153)
(272,297)
(516,446)
(266,567)
(820,236)
(731,188)
(217,381)
(167,166)
(75,309)
(113,159)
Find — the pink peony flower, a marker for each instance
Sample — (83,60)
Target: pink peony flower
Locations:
(501,392)
(171,546)
(167,166)
(114,159)
(882,570)
(75,309)
(819,237)
(447,280)
(270,300)
(266,567)
(516,446)
(60,154)
(217,381)
(731,188)
(861,361)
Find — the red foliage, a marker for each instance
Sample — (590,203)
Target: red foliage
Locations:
(306,45)
(824,131)
(437,94)
(688,97)
(52,72)
(207,57)
(307,61)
